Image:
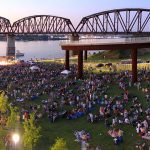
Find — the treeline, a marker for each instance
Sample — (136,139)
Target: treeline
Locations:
(35,37)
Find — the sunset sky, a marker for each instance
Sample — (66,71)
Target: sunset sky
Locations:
(72,9)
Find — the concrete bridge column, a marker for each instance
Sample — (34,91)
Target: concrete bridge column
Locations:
(74,37)
(10,45)
(134,65)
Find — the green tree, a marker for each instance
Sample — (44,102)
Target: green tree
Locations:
(3,102)
(60,144)
(13,118)
(31,133)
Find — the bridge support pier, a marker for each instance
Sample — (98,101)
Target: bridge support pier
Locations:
(74,37)
(67,67)
(80,64)
(10,45)
(134,65)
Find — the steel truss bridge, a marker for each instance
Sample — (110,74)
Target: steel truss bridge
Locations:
(117,21)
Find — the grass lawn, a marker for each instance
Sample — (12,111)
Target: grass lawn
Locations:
(65,128)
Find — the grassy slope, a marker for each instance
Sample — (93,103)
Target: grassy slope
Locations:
(65,128)
(120,54)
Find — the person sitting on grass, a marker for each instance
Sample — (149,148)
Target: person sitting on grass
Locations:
(91,117)
(117,135)
(99,147)
(82,136)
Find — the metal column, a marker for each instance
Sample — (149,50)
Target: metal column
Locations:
(67,60)
(85,55)
(80,64)
(134,65)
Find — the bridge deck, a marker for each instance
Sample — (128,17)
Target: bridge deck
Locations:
(107,44)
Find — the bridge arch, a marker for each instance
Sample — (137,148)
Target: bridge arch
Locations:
(117,21)
(5,25)
(43,24)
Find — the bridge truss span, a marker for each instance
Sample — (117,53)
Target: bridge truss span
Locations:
(118,21)
(43,24)
(5,26)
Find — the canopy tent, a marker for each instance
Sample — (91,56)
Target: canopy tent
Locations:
(31,62)
(66,72)
(34,68)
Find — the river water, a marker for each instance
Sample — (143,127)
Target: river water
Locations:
(36,49)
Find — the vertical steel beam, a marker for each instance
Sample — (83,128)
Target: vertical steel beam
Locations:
(67,67)
(85,55)
(134,65)
(80,64)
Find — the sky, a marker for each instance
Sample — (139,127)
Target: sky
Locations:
(75,10)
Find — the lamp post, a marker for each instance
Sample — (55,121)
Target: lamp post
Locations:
(15,139)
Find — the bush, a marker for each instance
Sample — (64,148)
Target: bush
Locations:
(31,134)
(60,144)
(3,103)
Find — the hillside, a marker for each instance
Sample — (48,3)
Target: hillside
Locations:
(120,54)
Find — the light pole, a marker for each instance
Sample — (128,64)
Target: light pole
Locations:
(15,139)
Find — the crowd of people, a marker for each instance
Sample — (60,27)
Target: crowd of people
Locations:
(23,85)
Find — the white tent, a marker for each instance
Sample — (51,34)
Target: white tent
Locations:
(30,62)
(34,68)
(66,72)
